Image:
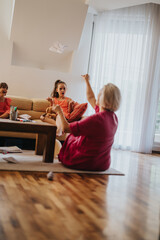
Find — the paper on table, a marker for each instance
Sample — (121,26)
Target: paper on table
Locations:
(25,116)
(10,159)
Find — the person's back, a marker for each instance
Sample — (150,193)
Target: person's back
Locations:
(90,142)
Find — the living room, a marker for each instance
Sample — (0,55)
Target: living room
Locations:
(85,205)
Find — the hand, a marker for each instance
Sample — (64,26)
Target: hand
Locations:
(57,109)
(42,117)
(71,103)
(71,106)
(85,77)
(49,99)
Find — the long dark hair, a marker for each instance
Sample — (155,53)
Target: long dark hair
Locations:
(3,85)
(54,93)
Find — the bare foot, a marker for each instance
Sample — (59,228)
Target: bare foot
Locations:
(42,117)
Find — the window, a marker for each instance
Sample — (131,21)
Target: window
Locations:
(125,52)
(156,146)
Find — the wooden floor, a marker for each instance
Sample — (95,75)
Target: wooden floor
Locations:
(84,207)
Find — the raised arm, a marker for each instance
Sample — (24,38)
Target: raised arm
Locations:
(89,92)
(51,100)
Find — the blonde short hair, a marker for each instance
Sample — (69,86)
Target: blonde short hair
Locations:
(111,97)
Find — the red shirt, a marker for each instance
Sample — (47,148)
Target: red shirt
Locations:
(89,144)
(5,106)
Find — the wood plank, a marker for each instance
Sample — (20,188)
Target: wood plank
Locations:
(81,206)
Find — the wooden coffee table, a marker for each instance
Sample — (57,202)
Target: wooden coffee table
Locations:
(45,138)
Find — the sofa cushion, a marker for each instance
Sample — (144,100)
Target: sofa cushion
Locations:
(40,105)
(21,102)
(78,112)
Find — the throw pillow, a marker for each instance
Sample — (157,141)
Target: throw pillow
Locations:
(78,112)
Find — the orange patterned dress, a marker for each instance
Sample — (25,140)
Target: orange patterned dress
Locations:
(64,104)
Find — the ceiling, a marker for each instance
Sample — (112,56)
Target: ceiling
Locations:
(37,25)
(104,5)
(34,26)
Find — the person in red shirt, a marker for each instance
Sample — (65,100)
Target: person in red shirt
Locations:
(89,143)
(4,102)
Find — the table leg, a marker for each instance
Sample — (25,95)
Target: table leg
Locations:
(48,153)
(40,143)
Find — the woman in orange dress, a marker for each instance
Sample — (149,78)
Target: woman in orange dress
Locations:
(58,98)
(71,109)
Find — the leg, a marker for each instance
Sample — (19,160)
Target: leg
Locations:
(59,126)
(48,120)
(55,123)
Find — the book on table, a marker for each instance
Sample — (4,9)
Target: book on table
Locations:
(12,149)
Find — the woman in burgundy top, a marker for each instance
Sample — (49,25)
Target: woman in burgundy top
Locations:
(4,102)
(89,144)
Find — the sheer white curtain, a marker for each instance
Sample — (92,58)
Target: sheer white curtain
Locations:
(126,52)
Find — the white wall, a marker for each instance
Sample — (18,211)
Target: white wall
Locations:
(32,82)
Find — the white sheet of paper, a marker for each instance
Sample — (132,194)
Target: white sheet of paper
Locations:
(10,159)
